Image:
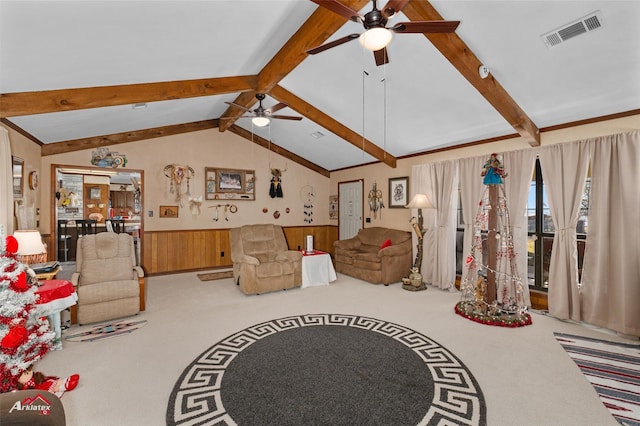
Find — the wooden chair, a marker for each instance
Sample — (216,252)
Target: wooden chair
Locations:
(117,225)
(86,227)
(63,239)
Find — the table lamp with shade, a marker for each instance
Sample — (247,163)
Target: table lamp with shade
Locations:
(31,249)
(419,201)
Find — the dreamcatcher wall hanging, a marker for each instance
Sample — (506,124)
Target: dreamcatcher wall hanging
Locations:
(307,196)
(375,201)
(177,174)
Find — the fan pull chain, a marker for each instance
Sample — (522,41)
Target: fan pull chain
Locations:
(364,72)
(384,112)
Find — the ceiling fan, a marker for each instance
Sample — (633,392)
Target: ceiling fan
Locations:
(377,36)
(261,116)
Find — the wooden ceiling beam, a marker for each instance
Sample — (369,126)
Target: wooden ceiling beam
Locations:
(119,138)
(321,25)
(466,62)
(312,113)
(258,140)
(27,103)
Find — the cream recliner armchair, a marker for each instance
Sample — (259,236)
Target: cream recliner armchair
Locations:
(108,282)
(262,261)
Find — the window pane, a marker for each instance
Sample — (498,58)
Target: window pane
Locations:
(547,223)
(531,207)
(547,245)
(531,260)
(582,226)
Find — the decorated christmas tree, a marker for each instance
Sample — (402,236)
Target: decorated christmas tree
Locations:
(25,337)
(492,289)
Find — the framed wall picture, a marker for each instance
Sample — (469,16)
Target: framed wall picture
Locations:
(95,193)
(18,172)
(229,184)
(169,211)
(398,192)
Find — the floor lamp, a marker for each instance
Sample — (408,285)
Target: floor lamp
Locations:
(419,201)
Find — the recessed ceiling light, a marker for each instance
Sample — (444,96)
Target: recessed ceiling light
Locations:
(317,135)
(139,106)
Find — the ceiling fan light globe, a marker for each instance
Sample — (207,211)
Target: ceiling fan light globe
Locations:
(260,121)
(375,38)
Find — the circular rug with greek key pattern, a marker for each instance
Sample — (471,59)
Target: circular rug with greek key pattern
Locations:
(326,369)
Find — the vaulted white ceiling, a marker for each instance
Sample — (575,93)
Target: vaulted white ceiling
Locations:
(418,102)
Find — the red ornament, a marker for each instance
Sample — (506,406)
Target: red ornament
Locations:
(12,244)
(15,337)
(20,285)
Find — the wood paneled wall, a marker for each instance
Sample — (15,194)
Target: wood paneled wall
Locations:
(166,252)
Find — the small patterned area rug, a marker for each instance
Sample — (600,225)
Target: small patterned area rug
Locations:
(614,371)
(215,275)
(326,369)
(106,331)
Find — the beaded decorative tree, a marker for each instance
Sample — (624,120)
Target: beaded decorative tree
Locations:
(492,290)
(25,337)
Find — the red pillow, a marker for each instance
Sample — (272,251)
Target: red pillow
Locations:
(387,243)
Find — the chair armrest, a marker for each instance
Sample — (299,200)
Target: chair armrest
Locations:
(139,271)
(395,250)
(248,259)
(351,243)
(75,278)
(289,256)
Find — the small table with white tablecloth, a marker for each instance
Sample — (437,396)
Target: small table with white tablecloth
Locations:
(317,269)
(54,296)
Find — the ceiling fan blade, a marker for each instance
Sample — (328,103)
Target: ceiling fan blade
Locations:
(339,8)
(276,107)
(285,117)
(238,106)
(332,44)
(393,7)
(381,56)
(426,27)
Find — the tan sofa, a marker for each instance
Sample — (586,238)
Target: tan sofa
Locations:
(262,261)
(108,282)
(362,257)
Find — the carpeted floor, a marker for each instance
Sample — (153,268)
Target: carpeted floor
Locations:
(614,371)
(327,369)
(527,379)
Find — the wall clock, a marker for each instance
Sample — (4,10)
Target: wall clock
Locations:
(33,180)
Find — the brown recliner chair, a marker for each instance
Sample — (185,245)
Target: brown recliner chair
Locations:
(108,282)
(262,261)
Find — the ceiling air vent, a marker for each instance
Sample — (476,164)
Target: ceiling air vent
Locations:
(591,22)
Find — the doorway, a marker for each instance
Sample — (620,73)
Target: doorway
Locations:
(95,193)
(350,204)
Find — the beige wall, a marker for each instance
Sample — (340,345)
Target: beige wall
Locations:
(30,153)
(210,148)
(380,173)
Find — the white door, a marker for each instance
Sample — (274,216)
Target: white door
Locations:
(350,206)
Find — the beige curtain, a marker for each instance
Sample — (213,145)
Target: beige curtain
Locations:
(564,169)
(439,182)
(471,188)
(6,183)
(611,273)
(519,167)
